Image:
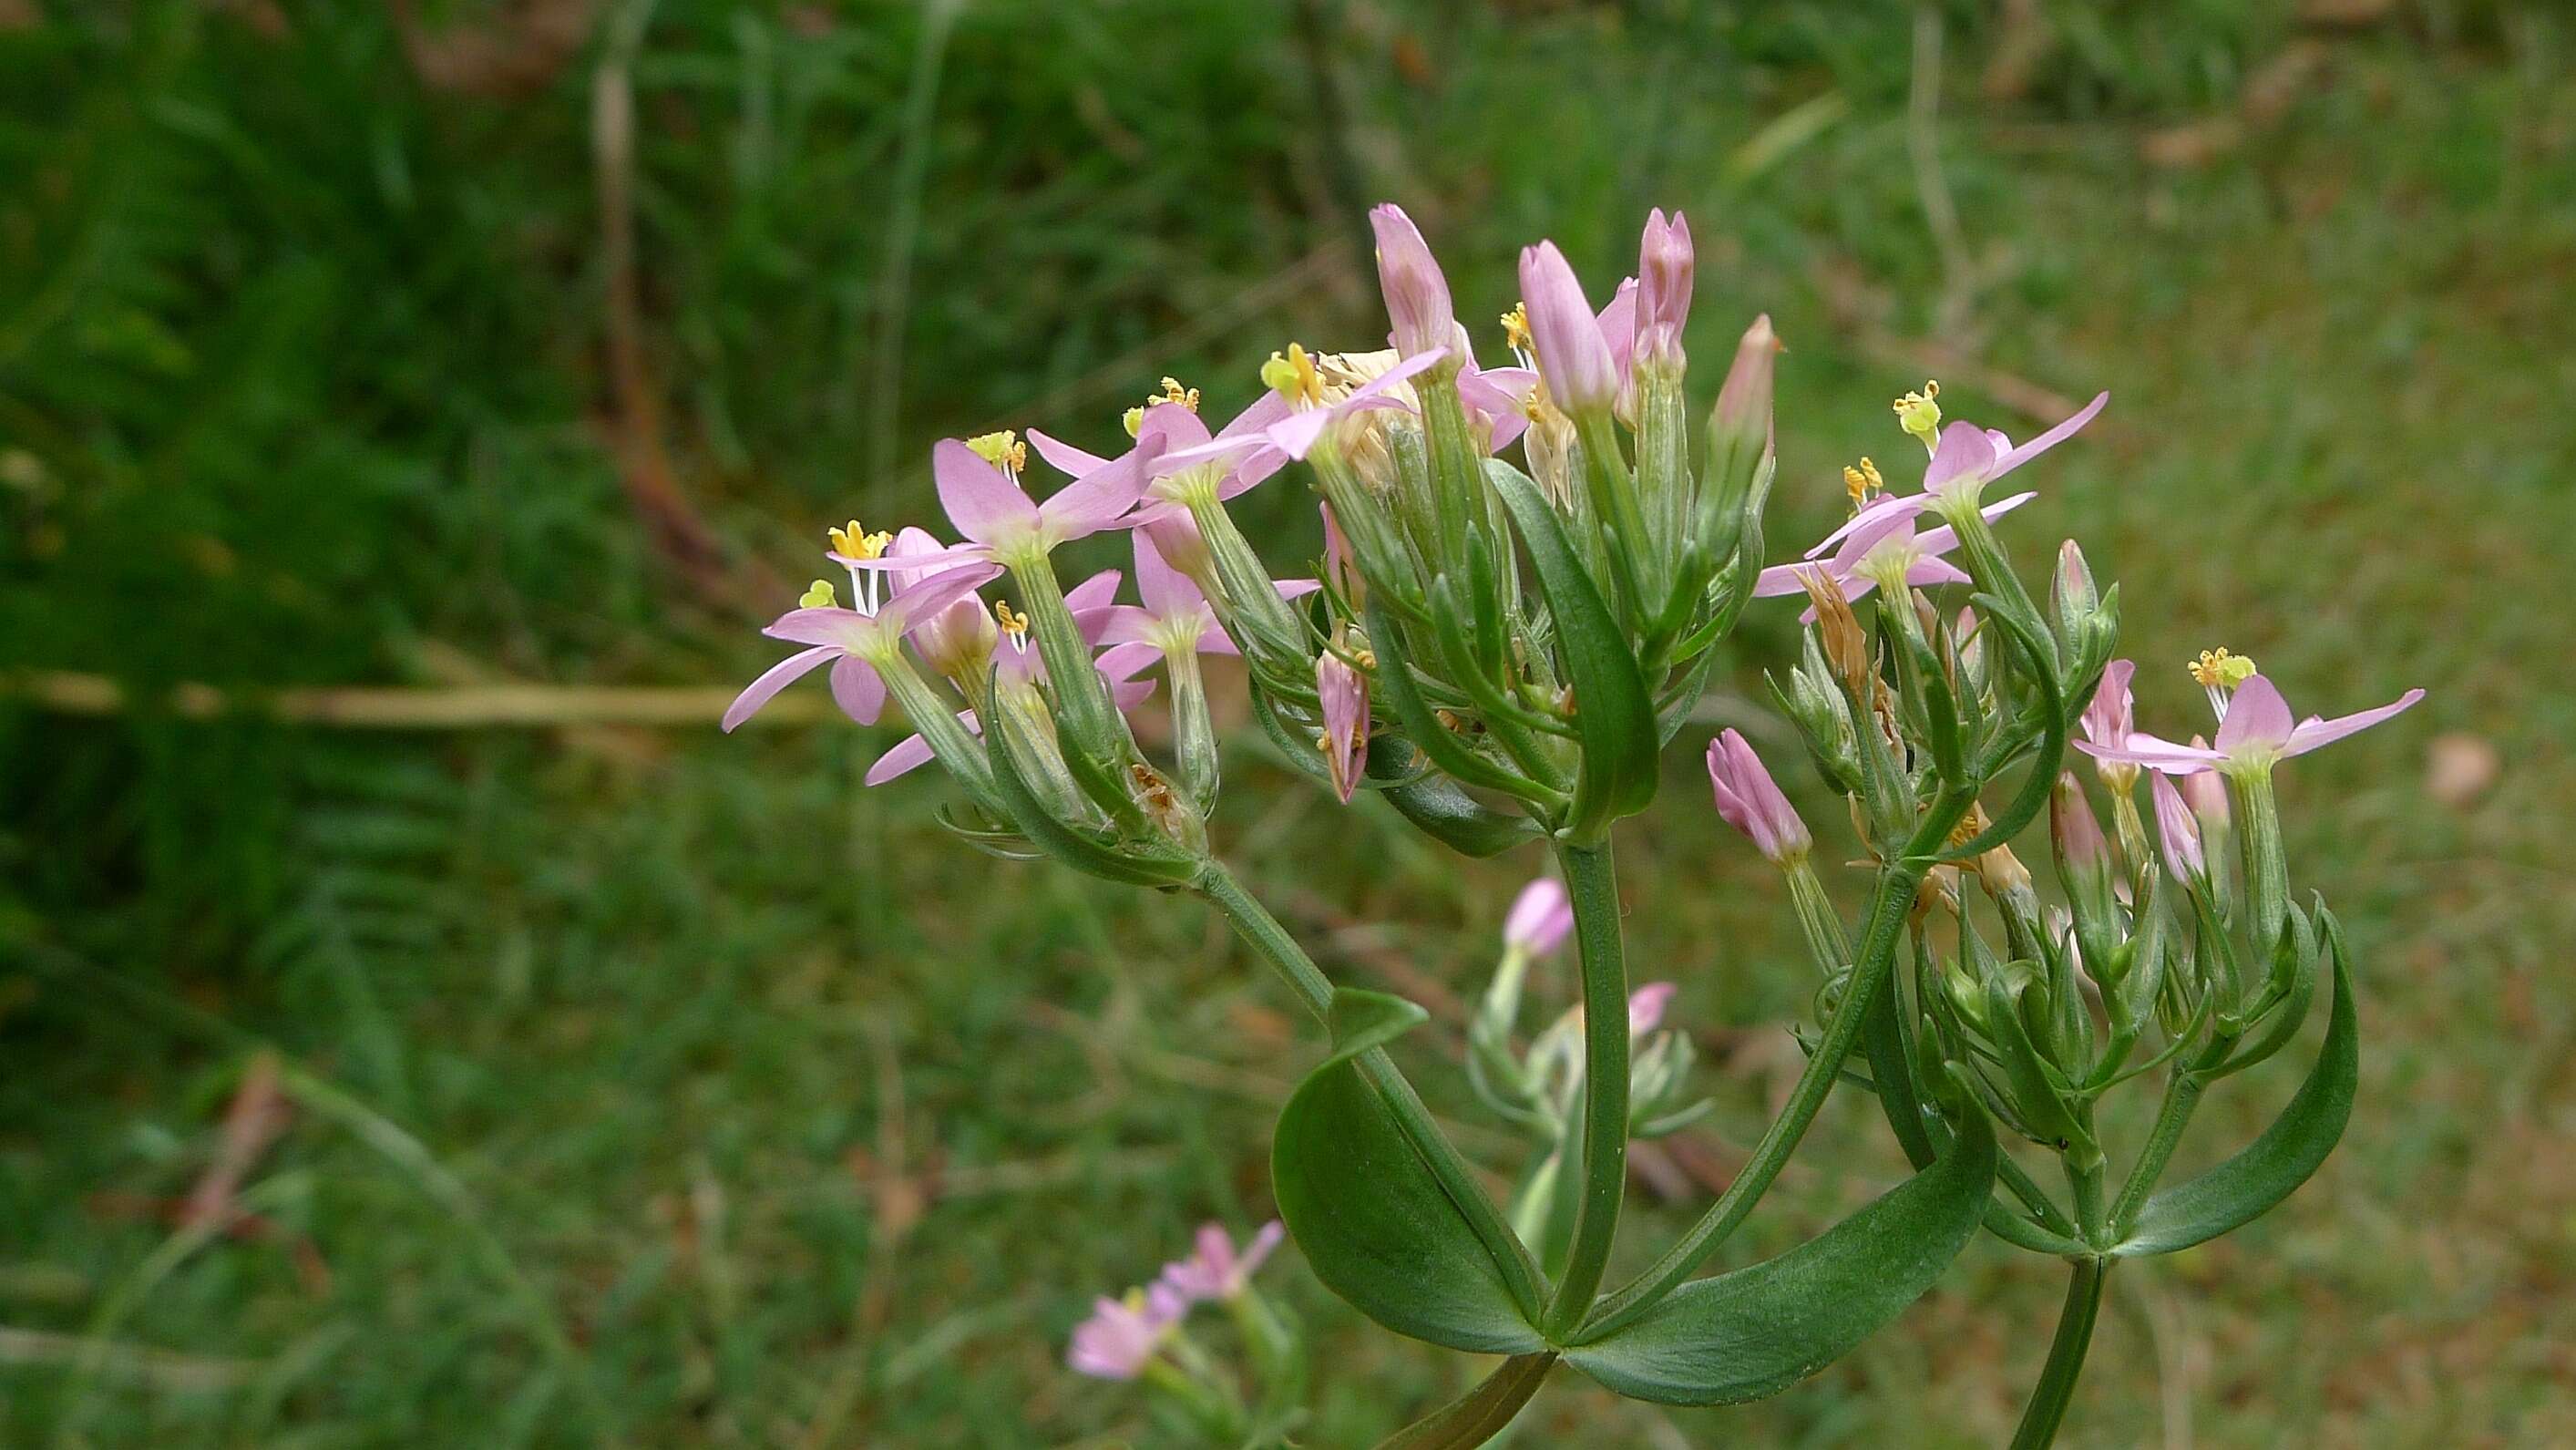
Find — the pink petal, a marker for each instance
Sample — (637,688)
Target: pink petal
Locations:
(912,753)
(1166,590)
(1124,624)
(981,500)
(2155,754)
(1126,659)
(856,688)
(1964,452)
(774,679)
(1097,499)
(2313,732)
(2257,717)
(932,592)
(1880,509)
(1175,425)
(1063,457)
(2050,439)
(1094,592)
(1926,573)
(831,625)
(1945,538)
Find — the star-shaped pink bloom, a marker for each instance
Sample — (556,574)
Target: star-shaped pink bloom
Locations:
(847,638)
(1966,460)
(1874,548)
(1216,1272)
(2257,732)
(1122,1335)
(1274,431)
(1175,617)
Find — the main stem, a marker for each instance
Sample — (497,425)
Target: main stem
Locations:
(2056,1387)
(1591,881)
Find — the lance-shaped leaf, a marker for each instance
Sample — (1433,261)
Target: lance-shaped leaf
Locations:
(2272,1167)
(1614,716)
(1376,1224)
(1477,1416)
(1458,820)
(1756,1331)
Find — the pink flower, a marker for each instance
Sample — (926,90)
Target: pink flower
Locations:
(2256,734)
(2110,718)
(2206,794)
(1646,1007)
(1122,1335)
(850,639)
(1751,802)
(2177,831)
(1666,267)
(1344,692)
(1884,548)
(1286,425)
(1967,459)
(1175,617)
(1001,521)
(1540,918)
(1573,355)
(1216,1272)
(1417,295)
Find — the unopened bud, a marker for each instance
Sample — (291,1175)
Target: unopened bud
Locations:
(1666,267)
(1417,295)
(2075,596)
(1572,355)
(1541,917)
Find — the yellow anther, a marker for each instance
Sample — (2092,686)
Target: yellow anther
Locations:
(1365,657)
(1863,482)
(1173,392)
(1920,415)
(1012,622)
(818,595)
(2216,669)
(852,542)
(1134,418)
(1003,450)
(1292,375)
(1516,333)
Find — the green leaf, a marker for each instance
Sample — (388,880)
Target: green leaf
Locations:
(1758,1330)
(2272,1167)
(1614,715)
(1457,820)
(1374,1221)
(1480,1414)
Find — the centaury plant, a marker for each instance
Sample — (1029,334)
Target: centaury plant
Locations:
(1501,651)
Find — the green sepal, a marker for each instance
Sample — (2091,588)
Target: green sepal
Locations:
(2035,1090)
(1374,1221)
(2033,798)
(2272,1167)
(1614,715)
(1084,850)
(1754,1332)
(1402,696)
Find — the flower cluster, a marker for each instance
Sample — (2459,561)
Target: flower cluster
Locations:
(1525,572)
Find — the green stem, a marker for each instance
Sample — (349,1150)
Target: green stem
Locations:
(1263,933)
(1591,880)
(2056,1387)
(1887,914)
(1898,881)
(2182,1095)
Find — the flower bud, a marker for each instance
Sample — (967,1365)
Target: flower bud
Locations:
(1751,802)
(1572,355)
(1540,918)
(2083,852)
(1344,693)
(1417,295)
(2178,831)
(2205,791)
(2075,595)
(1646,1007)
(2109,722)
(958,642)
(1175,536)
(1666,268)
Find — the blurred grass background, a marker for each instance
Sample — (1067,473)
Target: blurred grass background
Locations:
(650,1086)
